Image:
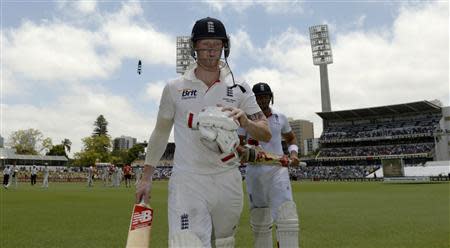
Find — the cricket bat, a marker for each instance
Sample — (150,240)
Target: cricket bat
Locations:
(140,226)
(255,155)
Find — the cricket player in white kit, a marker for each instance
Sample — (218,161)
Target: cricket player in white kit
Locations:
(90,175)
(45,180)
(105,175)
(268,187)
(138,174)
(119,176)
(14,176)
(205,189)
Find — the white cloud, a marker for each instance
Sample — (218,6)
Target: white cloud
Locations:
(283,7)
(271,7)
(77,9)
(54,51)
(130,36)
(238,6)
(370,68)
(154,91)
(144,42)
(72,56)
(241,44)
(86,7)
(359,23)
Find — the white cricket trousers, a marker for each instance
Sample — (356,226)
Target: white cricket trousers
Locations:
(45,182)
(268,186)
(208,205)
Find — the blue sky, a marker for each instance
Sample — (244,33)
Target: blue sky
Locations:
(66,62)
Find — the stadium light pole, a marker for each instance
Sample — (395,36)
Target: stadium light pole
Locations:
(184,58)
(322,56)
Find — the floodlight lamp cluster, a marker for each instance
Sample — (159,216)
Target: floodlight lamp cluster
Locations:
(320,45)
(184,58)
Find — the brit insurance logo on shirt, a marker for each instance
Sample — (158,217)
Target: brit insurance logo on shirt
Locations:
(188,93)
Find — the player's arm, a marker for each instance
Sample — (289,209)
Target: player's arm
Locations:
(291,141)
(257,127)
(155,149)
(156,144)
(256,124)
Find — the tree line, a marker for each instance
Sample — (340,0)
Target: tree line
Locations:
(96,148)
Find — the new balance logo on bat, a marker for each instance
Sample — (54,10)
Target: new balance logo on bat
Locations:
(141,217)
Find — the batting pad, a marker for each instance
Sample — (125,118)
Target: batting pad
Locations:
(287,225)
(261,223)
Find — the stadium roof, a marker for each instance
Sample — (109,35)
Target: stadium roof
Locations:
(389,110)
(6,153)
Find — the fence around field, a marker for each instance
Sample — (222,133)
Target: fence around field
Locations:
(356,179)
(319,173)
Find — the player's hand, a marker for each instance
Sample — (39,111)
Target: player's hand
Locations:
(294,160)
(143,189)
(284,160)
(238,115)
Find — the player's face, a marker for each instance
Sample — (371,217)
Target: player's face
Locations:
(263,102)
(209,52)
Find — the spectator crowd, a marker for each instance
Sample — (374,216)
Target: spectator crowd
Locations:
(376,150)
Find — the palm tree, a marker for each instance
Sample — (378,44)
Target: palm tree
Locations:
(66,143)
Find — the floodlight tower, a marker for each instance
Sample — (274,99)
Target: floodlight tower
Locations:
(322,56)
(184,58)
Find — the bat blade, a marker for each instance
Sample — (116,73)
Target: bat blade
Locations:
(140,227)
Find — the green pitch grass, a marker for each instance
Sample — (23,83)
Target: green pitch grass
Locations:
(332,215)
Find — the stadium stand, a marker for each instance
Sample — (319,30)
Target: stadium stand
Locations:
(360,138)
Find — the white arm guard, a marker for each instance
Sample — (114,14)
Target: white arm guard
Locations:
(158,141)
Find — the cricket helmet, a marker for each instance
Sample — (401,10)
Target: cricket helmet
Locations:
(261,89)
(210,28)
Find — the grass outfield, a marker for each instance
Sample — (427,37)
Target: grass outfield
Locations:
(331,214)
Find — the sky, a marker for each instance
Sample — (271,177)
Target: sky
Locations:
(64,63)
